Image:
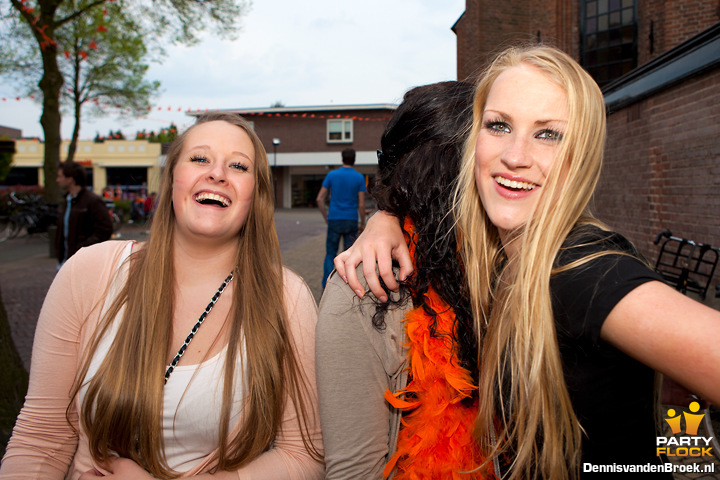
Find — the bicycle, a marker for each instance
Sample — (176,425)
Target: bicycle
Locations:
(689,266)
(7,227)
(29,215)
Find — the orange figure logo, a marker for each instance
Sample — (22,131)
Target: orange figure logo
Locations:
(692,420)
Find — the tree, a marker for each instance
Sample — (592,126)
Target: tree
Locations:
(157,21)
(104,63)
(107,77)
(7,149)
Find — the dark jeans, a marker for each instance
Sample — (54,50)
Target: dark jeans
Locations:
(348,230)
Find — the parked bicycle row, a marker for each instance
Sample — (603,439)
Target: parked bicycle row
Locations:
(689,266)
(25,214)
(28,213)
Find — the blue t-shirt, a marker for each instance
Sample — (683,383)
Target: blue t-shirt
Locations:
(344,184)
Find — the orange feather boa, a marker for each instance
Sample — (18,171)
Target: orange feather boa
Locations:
(435,439)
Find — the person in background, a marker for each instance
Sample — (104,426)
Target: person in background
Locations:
(419,343)
(572,323)
(137,209)
(149,206)
(84,219)
(346,188)
(127,381)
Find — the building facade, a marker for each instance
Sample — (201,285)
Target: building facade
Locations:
(658,63)
(304,143)
(129,166)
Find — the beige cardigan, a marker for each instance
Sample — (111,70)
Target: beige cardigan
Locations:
(355,364)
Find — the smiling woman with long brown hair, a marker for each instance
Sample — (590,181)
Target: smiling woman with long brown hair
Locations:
(191,354)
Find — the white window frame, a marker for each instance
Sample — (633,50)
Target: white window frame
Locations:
(346,133)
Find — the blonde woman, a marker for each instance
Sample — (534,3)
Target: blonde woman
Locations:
(572,324)
(189,355)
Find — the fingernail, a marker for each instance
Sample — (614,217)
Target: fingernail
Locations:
(383,299)
(345,279)
(358,293)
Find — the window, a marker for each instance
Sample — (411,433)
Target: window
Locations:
(340,131)
(609,38)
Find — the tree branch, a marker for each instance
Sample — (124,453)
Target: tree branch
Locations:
(77,13)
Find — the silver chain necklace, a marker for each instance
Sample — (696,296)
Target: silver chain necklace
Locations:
(195,327)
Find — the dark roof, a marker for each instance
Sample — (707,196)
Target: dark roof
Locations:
(691,58)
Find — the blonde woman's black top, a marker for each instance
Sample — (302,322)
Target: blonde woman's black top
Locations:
(612,394)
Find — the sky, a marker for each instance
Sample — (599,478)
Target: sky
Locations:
(299,53)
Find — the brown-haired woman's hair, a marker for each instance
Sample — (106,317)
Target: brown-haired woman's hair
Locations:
(538,429)
(122,410)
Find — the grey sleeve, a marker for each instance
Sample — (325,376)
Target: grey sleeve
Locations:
(355,365)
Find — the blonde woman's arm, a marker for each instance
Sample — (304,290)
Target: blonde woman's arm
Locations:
(670,333)
(380,242)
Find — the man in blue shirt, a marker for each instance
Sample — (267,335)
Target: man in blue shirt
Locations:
(347,200)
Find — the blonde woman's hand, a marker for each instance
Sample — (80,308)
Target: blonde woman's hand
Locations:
(381,241)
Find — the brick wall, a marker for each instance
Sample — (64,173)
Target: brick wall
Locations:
(10,132)
(671,22)
(486,27)
(662,166)
(298,134)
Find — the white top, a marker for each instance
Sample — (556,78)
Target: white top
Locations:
(191,412)
(192,398)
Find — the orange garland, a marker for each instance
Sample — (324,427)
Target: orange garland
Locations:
(435,439)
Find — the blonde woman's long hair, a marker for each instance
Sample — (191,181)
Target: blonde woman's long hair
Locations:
(522,391)
(122,410)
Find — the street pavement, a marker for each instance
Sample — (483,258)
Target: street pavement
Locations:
(26,272)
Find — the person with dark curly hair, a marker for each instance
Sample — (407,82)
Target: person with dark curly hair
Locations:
(411,355)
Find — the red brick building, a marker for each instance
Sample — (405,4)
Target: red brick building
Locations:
(658,62)
(11,133)
(304,143)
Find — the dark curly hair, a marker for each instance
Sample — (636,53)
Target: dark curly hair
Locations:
(419,164)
